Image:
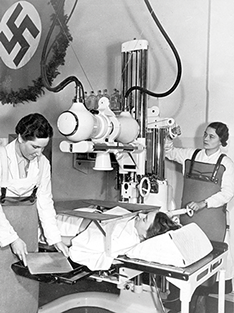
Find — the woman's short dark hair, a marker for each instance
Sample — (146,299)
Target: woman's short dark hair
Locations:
(222,131)
(161,224)
(34,126)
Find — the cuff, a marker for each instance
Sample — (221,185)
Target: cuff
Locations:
(7,241)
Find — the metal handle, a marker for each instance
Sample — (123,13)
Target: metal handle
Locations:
(190,212)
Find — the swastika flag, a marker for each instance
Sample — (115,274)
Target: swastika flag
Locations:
(23,28)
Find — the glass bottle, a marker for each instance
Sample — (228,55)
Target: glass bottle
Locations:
(98,97)
(115,101)
(91,101)
(105,93)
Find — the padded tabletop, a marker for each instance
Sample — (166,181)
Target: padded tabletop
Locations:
(182,273)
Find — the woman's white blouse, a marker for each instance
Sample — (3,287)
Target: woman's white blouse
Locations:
(39,174)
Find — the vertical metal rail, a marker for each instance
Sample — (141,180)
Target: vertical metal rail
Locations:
(158,156)
(142,96)
(134,73)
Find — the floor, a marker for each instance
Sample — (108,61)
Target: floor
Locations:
(212,306)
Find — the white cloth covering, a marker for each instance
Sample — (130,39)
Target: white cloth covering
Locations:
(69,225)
(181,247)
(89,248)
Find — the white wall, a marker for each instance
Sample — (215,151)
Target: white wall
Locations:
(202,32)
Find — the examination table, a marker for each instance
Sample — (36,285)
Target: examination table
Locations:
(124,273)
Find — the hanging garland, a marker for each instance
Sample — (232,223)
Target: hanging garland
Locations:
(34,91)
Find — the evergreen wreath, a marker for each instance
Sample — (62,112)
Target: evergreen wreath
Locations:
(59,48)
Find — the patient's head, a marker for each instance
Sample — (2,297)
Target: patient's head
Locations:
(153,223)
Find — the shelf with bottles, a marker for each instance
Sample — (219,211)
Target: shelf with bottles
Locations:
(92,98)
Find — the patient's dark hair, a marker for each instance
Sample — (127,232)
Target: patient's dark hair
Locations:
(161,224)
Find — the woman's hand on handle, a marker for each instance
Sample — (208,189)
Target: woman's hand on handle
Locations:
(196,206)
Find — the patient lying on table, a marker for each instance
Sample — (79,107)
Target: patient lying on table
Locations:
(87,244)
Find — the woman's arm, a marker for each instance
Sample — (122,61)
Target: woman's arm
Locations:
(7,232)
(8,236)
(46,210)
(45,204)
(177,154)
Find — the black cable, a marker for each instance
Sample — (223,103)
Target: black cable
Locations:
(67,20)
(44,57)
(72,10)
(176,54)
(78,84)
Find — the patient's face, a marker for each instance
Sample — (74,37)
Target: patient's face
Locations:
(143,222)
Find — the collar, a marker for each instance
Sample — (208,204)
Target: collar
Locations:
(213,156)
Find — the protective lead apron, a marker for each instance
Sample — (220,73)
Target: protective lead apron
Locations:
(202,180)
(18,294)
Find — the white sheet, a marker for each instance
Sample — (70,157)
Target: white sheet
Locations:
(89,248)
(180,247)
